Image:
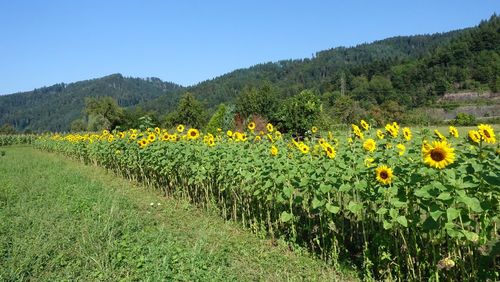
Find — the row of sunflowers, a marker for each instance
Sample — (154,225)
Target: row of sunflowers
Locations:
(400,203)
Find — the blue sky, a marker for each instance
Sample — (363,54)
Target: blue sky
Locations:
(186,42)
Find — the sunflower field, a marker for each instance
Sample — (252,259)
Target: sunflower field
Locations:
(401,204)
(16,139)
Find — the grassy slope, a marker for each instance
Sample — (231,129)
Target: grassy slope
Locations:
(60,220)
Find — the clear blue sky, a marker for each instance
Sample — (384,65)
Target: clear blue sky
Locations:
(47,42)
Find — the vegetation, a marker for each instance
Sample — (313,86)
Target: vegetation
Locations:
(54,108)
(391,79)
(63,221)
(399,203)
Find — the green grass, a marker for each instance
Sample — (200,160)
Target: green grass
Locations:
(60,220)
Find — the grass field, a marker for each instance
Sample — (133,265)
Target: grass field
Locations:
(60,220)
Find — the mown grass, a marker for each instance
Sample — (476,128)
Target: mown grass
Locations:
(60,220)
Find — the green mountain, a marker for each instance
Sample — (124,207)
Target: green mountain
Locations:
(55,107)
(402,73)
(322,72)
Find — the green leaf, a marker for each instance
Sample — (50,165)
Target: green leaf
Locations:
(333,209)
(345,188)
(452,214)
(325,188)
(317,203)
(402,220)
(444,196)
(285,216)
(436,214)
(423,192)
(355,207)
(382,211)
(288,191)
(471,236)
(472,203)
(387,225)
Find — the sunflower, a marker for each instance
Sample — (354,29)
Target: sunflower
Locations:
(143,142)
(330,151)
(357,131)
(193,134)
(330,135)
(380,134)
(121,135)
(180,128)
(474,136)
(210,142)
(257,138)
(165,137)
(277,134)
(321,142)
(151,138)
(369,162)
(453,131)
(274,150)
(384,174)
(370,145)
(251,126)
(393,130)
(304,148)
(407,133)
(401,149)
(105,132)
(364,124)
(314,129)
(439,135)
(269,127)
(229,133)
(487,133)
(439,154)
(111,138)
(157,130)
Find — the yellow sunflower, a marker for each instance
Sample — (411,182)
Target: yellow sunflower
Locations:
(380,134)
(151,138)
(229,133)
(193,134)
(439,135)
(439,155)
(143,142)
(304,148)
(274,150)
(370,145)
(314,129)
(165,137)
(157,130)
(384,174)
(407,133)
(369,162)
(330,151)
(401,149)
(453,131)
(487,133)
(474,136)
(251,126)
(269,127)
(277,134)
(364,124)
(180,128)
(357,131)
(393,131)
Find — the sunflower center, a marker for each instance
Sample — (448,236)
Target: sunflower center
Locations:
(437,155)
(384,175)
(486,133)
(193,133)
(329,150)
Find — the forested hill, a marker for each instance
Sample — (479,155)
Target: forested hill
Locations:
(55,107)
(321,72)
(394,74)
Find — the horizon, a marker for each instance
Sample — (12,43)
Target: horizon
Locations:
(72,51)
